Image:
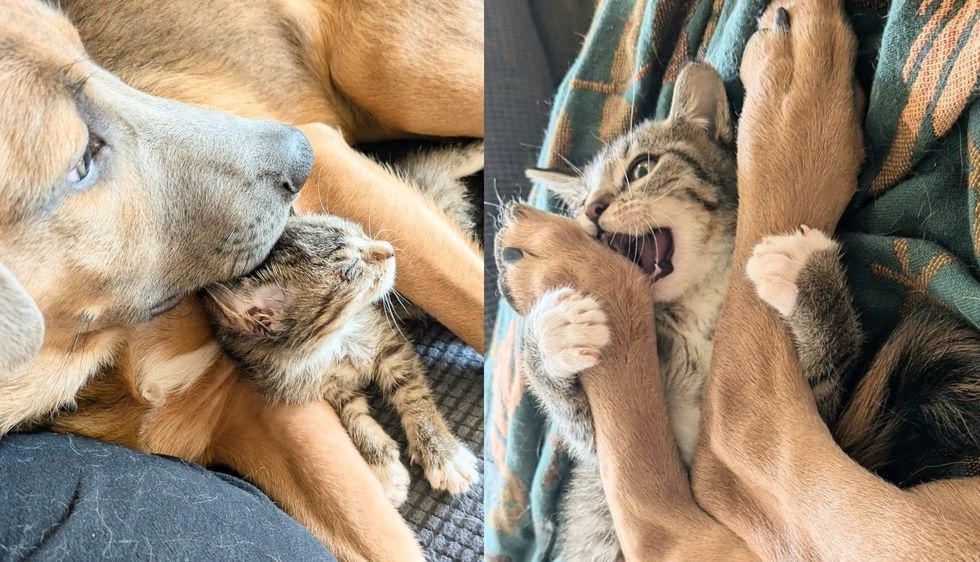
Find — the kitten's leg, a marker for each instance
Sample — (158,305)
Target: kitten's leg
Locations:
(375,445)
(800,276)
(447,463)
(438,172)
(563,335)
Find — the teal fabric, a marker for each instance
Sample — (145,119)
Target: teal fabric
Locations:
(911,233)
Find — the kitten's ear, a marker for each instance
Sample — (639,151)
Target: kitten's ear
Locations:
(569,188)
(699,97)
(21,325)
(259,310)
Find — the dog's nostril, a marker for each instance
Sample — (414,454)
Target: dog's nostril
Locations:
(510,255)
(299,161)
(595,210)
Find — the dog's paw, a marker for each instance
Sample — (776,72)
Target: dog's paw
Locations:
(570,329)
(768,58)
(394,479)
(777,261)
(537,251)
(456,473)
(790,35)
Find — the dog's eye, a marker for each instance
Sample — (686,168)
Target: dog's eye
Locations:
(84,168)
(640,167)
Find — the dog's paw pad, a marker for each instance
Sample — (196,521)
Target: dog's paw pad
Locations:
(777,261)
(394,479)
(456,474)
(571,329)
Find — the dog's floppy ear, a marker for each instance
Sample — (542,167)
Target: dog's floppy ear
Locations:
(21,324)
(699,97)
(569,188)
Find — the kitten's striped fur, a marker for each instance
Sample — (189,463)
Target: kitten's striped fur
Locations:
(309,324)
(691,189)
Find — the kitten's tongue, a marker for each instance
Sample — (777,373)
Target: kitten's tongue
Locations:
(650,252)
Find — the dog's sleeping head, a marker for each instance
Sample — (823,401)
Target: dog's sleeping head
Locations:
(114,203)
(322,272)
(663,194)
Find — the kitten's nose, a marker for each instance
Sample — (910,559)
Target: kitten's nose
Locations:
(595,209)
(379,252)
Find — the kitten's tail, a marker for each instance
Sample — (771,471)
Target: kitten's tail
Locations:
(927,401)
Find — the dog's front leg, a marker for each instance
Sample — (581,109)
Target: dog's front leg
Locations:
(649,497)
(439,267)
(304,460)
(767,466)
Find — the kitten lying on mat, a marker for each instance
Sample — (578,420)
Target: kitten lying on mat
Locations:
(309,324)
(664,195)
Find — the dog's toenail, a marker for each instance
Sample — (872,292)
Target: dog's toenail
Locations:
(780,20)
(511,255)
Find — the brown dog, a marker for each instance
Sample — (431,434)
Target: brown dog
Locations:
(115,203)
(768,479)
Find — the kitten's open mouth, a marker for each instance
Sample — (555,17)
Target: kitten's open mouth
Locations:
(652,252)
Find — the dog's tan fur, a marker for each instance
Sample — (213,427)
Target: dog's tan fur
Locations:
(299,455)
(768,479)
(365,70)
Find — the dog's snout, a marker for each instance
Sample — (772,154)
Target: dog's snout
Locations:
(299,161)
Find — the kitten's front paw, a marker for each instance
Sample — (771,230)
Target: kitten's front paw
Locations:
(571,331)
(777,261)
(394,479)
(456,473)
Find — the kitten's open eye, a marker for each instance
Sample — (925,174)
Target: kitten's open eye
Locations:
(640,166)
(83,172)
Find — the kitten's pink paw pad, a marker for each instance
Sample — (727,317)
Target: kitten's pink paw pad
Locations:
(394,479)
(571,330)
(457,474)
(777,261)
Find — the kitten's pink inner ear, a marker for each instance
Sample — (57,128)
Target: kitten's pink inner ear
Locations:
(267,306)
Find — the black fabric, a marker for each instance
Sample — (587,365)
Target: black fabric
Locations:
(529,45)
(65,497)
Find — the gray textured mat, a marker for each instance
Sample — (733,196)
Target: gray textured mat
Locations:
(450,529)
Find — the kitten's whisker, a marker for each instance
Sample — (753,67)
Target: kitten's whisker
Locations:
(676,185)
(391,316)
(401,300)
(575,168)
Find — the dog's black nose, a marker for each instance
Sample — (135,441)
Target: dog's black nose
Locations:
(299,161)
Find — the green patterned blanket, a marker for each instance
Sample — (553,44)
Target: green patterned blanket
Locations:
(911,233)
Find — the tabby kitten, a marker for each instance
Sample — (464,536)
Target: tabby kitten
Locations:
(664,195)
(308,324)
